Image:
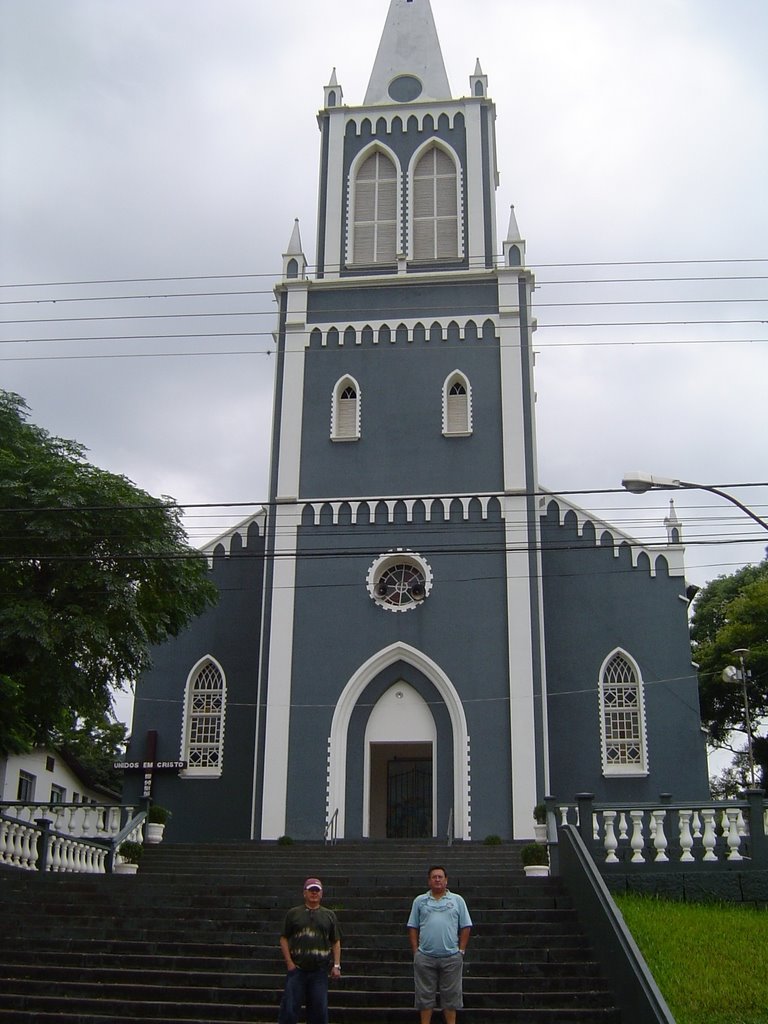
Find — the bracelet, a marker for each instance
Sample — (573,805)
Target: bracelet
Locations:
(337,967)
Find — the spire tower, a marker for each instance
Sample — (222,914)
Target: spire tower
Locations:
(409,64)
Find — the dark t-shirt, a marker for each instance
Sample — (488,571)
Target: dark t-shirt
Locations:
(310,935)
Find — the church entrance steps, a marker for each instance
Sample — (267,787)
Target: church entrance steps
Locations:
(193,937)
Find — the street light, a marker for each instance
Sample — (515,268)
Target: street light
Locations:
(730,675)
(639,483)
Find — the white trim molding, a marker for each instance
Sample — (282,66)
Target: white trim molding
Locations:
(337,749)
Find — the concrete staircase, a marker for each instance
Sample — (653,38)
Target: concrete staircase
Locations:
(193,937)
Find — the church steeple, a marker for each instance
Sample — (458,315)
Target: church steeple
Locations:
(409,63)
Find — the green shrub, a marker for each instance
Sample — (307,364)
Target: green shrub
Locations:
(131,851)
(534,853)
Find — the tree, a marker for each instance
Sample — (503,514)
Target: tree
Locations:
(731,613)
(93,571)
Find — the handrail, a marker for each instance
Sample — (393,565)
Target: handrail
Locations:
(331,828)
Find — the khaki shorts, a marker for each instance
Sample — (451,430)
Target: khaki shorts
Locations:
(433,974)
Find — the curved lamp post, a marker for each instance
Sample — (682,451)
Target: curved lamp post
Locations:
(639,483)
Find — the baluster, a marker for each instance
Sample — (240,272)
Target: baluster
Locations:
(637,837)
(55,859)
(623,834)
(71,827)
(734,839)
(563,816)
(686,837)
(5,848)
(659,836)
(710,835)
(610,842)
(14,845)
(28,851)
(741,824)
(696,824)
(595,829)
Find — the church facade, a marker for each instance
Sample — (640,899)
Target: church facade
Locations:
(413,636)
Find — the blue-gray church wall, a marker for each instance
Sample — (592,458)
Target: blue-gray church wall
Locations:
(215,809)
(468,588)
(401,449)
(594,603)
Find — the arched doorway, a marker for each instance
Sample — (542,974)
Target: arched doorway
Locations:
(400,744)
(349,752)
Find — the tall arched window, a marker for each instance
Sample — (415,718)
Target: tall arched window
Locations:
(204,711)
(345,410)
(435,207)
(375,211)
(457,406)
(622,717)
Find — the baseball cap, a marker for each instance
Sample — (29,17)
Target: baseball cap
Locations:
(313,883)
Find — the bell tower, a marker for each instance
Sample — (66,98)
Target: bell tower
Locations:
(402,603)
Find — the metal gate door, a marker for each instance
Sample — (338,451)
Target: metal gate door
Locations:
(409,799)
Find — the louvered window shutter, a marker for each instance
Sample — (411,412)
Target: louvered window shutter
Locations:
(457,410)
(375,219)
(346,419)
(435,207)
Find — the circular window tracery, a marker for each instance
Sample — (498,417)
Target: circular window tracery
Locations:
(399,581)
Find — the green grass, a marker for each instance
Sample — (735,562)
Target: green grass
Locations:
(709,960)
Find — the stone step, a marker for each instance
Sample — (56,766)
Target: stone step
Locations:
(193,938)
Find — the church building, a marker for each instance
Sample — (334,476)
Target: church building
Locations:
(413,636)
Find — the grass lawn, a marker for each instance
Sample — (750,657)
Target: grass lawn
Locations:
(709,960)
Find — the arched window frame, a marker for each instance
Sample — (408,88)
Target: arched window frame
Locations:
(345,426)
(415,159)
(455,425)
(353,257)
(617,709)
(195,713)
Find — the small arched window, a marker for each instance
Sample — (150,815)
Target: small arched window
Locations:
(457,406)
(375,211)
(345,411)
(622,717)
(435,207)
(204,713)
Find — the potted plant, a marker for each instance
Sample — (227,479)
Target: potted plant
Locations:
(535,859)
(128,857)
(157,817)
(540,826)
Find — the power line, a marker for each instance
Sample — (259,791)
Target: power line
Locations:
(329,268)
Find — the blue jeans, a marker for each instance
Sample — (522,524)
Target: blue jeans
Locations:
(310,988)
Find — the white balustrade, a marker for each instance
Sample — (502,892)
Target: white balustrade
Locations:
(668,834)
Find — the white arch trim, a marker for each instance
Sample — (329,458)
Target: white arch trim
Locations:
(337,744)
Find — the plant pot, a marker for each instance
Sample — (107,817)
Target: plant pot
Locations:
(125,868)
(153,833)
(536,870)
(540,832)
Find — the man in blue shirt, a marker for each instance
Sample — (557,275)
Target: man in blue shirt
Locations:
(438,930)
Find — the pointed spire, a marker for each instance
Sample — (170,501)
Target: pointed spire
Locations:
(513,231)
(294,246)
(294,260)
(478,82)
(514,244)
(673,525)
(333,93)
(409,63)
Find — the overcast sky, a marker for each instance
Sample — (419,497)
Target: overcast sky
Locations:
(147,139)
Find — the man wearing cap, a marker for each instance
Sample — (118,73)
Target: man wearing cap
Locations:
(438,930)
(311,945)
